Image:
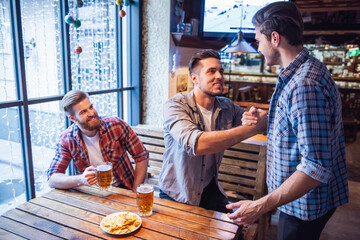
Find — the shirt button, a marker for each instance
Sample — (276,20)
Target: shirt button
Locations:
(198,194)
(202,179)
(203,165)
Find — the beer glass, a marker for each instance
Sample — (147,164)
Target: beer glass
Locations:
(145,199)
(104,175)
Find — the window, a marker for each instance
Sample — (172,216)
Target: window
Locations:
(38,66)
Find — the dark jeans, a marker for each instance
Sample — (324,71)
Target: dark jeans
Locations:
(211,198)
(293,228)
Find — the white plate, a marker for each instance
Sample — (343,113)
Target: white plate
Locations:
(120,213)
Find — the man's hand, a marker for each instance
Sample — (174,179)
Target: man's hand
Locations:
(88,177)
(248,212)
(257,118)
(262,121)
(250,118)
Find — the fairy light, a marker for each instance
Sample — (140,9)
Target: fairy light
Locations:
(95,68)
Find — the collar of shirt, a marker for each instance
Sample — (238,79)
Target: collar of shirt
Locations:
(286,74)
(190,100)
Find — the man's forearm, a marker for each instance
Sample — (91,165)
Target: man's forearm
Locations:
(63,181)
(293,188)
(140,173)
(217,141)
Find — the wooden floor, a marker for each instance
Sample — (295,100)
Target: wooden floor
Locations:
(345,223)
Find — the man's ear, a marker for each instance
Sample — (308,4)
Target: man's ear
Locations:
(275,38)
(194,78)
(71,118)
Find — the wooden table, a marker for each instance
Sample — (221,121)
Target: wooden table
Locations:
(258,139)
(76,214)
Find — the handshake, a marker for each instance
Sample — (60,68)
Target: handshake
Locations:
(256,118)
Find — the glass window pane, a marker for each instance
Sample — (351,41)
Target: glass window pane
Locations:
(42,47)
(12,184)
(105,104)
(95,68)
(7,72)
(47,122)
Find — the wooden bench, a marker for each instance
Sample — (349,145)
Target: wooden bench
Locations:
(241,174)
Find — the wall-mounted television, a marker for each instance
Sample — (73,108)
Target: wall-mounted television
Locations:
(222,19)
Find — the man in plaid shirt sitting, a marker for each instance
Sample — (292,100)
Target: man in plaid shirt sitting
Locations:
(92,140)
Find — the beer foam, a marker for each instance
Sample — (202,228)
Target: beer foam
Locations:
(145,189)
(103,168)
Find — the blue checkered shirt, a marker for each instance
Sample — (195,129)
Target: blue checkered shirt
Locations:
(305,133)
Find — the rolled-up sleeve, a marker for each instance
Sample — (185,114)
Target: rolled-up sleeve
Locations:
(134,146)
(311,122)
(180,125)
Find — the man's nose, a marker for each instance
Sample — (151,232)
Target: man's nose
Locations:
(218,75)
(92,112)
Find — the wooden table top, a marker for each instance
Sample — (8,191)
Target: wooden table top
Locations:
(76,214)
(259,139)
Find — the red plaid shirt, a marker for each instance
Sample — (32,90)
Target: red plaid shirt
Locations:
(116,138)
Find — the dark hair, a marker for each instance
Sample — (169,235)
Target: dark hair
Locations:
(72,98)
(203,54)
(282,17)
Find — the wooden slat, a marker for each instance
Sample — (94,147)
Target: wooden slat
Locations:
(246,147)
(156,156)
(157,149)
(242,155)
(156,164)
(239,163)
(261,177)
(24,230)
(236,179)
(47,226)
(153,180)
(251,232)
(151,140)
(146,130)
(155,171)
(5,235)
(228,169)
(235,197)
(237,188)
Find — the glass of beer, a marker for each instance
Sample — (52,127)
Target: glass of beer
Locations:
(104,175)
(145,199)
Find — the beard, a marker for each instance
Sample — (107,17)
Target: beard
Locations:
(273,58)
(212,93)
(87,125)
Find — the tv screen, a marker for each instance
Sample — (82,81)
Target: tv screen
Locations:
(222,19)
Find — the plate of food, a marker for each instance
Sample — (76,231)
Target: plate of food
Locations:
(121,223)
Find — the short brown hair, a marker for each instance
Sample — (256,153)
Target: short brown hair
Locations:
(282,17)
(203,54)
(72,98)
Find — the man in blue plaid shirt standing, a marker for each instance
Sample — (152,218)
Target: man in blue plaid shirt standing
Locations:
(306,170)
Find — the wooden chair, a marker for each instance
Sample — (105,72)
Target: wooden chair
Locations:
(245,94)
(241,174)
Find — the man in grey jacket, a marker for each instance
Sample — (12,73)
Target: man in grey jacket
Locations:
(198,127)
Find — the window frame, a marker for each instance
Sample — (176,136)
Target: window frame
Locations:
(23,102)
